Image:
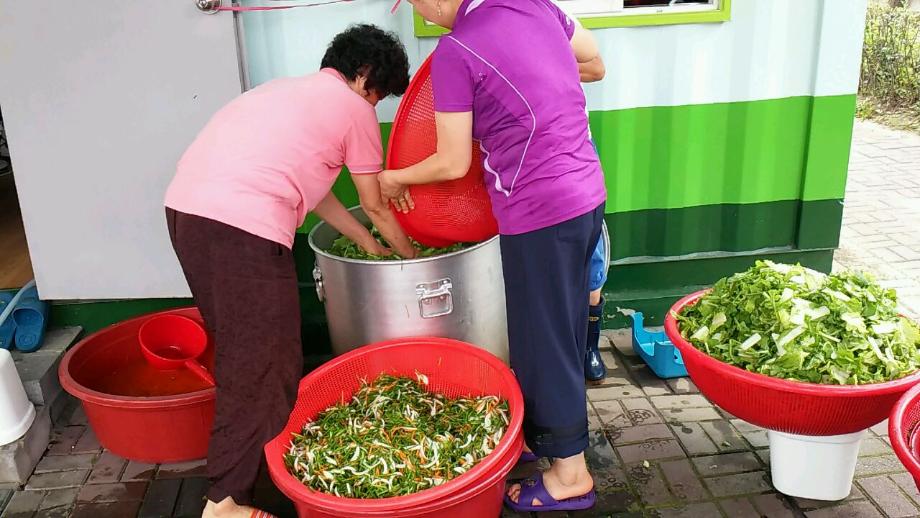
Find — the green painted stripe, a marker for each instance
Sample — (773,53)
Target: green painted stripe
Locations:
(651,287)
(689,230)
(673,157)
(95,315)
(727,228)
(728,153)
(819,224)
(829,142)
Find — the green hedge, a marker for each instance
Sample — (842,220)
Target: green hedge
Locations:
(891,57)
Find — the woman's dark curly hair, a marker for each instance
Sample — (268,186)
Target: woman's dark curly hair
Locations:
(368,50)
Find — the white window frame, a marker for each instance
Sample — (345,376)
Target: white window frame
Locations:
(595,8)
(604,14)
(578,8)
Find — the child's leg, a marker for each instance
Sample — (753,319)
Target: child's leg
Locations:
(595,370)
(595,297)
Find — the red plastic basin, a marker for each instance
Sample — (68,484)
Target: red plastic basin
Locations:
(903,431)
(453,368)
(136,411)
(782,405)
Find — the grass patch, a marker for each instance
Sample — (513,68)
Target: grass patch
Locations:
(890,81)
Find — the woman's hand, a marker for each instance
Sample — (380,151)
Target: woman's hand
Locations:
(377,209)
(373,247)
(395,192)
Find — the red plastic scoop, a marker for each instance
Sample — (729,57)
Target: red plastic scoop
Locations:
(173,342)
(447,212)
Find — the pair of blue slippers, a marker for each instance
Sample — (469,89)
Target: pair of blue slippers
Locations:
(25,323)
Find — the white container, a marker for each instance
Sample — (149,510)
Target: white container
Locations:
(16,411)
(817,468)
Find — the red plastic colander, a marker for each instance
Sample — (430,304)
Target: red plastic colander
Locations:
(782,405)
(902,430)
(453,368)
(457,211)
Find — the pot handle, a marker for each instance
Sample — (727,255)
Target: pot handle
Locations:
(435,298)
(318,282)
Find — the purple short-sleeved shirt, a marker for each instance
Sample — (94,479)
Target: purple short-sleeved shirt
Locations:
(510,62)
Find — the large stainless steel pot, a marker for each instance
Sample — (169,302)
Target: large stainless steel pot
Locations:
(459,295)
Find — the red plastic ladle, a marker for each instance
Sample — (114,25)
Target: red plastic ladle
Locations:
(173,342)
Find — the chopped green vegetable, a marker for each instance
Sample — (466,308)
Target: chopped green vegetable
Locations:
(395,438)
(344,247)
(795,323)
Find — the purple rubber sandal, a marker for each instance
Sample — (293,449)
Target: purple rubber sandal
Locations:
(533,487)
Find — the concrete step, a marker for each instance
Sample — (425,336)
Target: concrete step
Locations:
(39,374)
(39,370)
(18,459)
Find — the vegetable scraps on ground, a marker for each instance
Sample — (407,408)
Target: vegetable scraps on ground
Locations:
(345,247)
(395,438)
(795,323)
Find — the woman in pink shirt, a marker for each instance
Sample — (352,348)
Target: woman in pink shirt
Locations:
(241,189)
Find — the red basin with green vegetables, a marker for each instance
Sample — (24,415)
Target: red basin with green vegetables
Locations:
(782,405)
(453,368)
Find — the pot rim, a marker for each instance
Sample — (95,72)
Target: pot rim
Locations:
(320,252)
(92,396)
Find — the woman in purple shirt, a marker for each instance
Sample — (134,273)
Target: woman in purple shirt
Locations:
(508,76)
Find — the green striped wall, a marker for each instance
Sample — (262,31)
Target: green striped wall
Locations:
(728,227)
(712,188)
(719,177)
(744,152)
(695,193)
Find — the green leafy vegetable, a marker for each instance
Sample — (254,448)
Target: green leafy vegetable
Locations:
(344,247)
(395,438)
(795,323)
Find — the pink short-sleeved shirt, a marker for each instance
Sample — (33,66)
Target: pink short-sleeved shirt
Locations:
(270,156)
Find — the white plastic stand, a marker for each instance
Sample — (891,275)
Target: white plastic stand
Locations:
(817,468)
(16,411)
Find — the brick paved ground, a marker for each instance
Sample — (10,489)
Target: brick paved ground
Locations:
(658,449)
(78,478)
(881,230)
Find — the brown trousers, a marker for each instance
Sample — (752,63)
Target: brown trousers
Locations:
(246,289)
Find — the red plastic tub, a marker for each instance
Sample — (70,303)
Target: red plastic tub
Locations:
(136,411)
(903,431)
(453,368)
(783,405)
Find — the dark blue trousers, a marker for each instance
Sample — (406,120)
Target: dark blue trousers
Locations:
(546,287)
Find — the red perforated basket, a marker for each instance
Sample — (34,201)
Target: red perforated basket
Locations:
(902,430)
(453,368)
(457,211)
(783,405)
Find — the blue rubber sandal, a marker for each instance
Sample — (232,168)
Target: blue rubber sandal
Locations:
(31,317)
(533,488)
(8,327)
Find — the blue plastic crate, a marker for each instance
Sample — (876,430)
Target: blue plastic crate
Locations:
(658,352)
